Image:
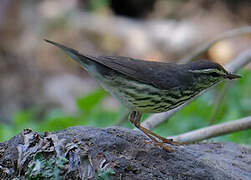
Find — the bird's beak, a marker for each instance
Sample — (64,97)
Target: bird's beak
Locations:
(232,76)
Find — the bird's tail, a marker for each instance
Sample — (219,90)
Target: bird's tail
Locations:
(74,54)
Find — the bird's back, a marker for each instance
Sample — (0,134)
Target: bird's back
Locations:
(158,74)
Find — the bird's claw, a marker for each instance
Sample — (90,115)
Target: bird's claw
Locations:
(172,142)
(161,144)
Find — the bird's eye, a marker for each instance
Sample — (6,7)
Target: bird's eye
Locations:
(214,74)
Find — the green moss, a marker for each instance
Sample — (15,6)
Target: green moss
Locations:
(43,168)
(105,174)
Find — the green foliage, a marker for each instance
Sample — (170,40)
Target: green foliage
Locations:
(42,168)
(94,5)
(236,104)
(105,174)
(88,103)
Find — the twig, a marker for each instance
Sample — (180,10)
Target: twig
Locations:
(154,120)
(203,48)
(243,59)
(213,131)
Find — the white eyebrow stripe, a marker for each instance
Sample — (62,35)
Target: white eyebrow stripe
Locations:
(208,71)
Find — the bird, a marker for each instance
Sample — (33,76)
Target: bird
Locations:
(149,86)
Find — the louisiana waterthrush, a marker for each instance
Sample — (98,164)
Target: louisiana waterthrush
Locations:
(151,87)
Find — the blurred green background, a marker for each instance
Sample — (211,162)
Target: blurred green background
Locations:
(41,89)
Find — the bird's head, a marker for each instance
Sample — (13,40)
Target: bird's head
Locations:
(208,72)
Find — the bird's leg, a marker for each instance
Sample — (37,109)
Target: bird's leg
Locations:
(164,140)
(134,117)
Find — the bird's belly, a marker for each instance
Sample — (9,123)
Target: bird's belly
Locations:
(142,97)
(137,95)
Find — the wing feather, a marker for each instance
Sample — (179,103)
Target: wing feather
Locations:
(159,74)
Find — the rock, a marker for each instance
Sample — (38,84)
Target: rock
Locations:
(116,153)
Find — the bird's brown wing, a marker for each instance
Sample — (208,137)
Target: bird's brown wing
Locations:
(159,74)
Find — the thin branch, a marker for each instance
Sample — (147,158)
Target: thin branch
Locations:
(156,119)
(213,131)
(240,61)
(204,47)
(236,64)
